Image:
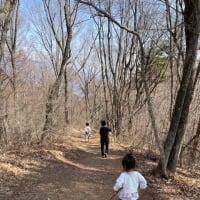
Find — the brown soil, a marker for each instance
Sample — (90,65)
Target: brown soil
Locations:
(75,170)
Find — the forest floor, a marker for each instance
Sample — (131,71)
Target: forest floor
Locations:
(74,170)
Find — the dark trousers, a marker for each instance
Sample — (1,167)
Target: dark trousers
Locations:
(104,143)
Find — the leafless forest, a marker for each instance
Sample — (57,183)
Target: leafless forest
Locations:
(134,63)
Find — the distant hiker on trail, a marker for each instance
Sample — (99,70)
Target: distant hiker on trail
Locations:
(104,138)
(87,132)
(129,181)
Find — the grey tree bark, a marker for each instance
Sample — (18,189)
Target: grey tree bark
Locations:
(180,112)
(66,108)
(12,47)
(64,45)
(194,143)
(6,15)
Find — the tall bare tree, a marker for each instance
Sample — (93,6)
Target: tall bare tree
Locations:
(6,14)
(12,47)
(60,25)
(190,74)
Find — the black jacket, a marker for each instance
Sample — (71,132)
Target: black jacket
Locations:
(104,131)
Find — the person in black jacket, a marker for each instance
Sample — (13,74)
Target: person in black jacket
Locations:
(104,138)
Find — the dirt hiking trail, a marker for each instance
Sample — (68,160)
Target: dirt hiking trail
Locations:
(72,170)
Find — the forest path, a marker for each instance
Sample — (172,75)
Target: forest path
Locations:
(72,170)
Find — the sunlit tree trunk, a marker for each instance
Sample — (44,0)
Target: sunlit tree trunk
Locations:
(6,15)
(174,154)
(66,107)
(64,45)
(12,47)
(184,96)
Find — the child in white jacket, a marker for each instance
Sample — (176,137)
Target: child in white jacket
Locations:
(87,132)
(129,181)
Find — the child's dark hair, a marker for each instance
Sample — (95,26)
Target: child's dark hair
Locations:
(128,162)
(103,123)
(87,124)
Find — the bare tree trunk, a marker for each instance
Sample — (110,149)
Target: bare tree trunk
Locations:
(195,142)
(6,15)
(103,62)
(11,44)
(66,98)
(162,168)
(66,54)
(192,29)
(174,154)
(51,99)
(3,137)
